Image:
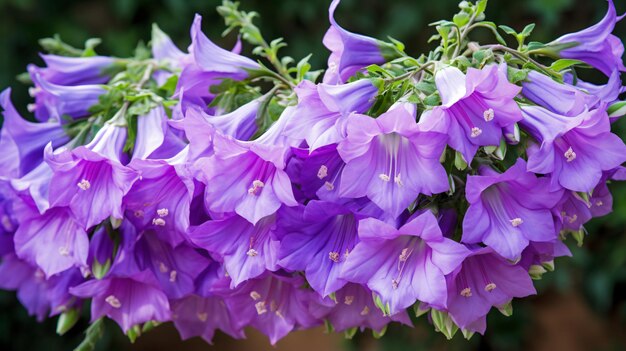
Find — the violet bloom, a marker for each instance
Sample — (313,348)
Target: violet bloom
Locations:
(160,199)
(35,186)
(404,265)
(538,253)
(560,98)
(573,211)
(54,241)
(275,305)
(575,150)
(319,173)
(247,250)
(317,239)
(509,210)
(129,301)
(353,307)
(54,101)
(239,124)
(484,280)
(476,107)
(351,52)
(200,316)
(255,185)
(63,70)
(390,160)
(165,51)
(320,115)
(595,45)
(23,142)
(151,129)
(90,179)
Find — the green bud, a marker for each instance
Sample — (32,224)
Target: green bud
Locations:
(443,323)
(579,236)
(536,272)
(617,109)
(420,309)
(133,333)
(100,270)
(149,326)
(459,161)
(67,320)
(506,309)
(548,265)
(467,334)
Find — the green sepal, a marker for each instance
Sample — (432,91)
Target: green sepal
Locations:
(443,323)
(506,309)
(380,333)
(350,333)
(67,320)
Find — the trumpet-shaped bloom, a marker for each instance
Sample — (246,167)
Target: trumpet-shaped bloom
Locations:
(575,150)
(476,108)
(202,316)
(390,160)
(509,210)
(404,265)
(64,70)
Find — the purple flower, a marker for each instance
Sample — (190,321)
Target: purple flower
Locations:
(255,185)
(404,265)
(166,52)
(390,160)
(239,124)
(54,101)
(23,142)
(350,52)
(595,45)
(53,241)
(198,316)
(129,301)
(509,210)
(63,70)
(317,239)
(573,211)
(90,179)
(353,307)
(273,304)
(320,115)
(477,106)
(575,150)
(247,249)
(151,129)
(484,280)
(538,253)
(160,199)
(318,174)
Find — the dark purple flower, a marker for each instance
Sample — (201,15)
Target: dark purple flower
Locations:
(477,107)
(317,239)
(129,301)
(64,70)
(23,142)
(575,150)
(484,280)
(202,316)
(509,210)
(573,211)
(255,185)
(404,265)
(247,250)
(390,160)
(318,174)
(273,304)
(595,45)
(353,307)
(90,179)
(350,52)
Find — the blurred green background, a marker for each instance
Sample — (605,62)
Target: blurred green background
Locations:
(580,306)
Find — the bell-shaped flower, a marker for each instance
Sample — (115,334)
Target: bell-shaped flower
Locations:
(64,70)
(509,210)
(476,108)
(484,280)
(247,250)
(574,150)
(90,179)
(318,173)
(595,45)
(404,265)
(22,141)
(390,160)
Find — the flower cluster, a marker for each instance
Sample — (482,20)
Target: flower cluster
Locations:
(205,188)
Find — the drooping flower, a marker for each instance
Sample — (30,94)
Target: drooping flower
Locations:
(575,150)
(351,52)
(202,316)
(476,107)
(239,124)
(129,301)
(23,142)
(247,249)
(322,109)
(484,280)
(165,51)
(273,304)
(64,70)
(317,173)
(509,210)
(390,160)
(404,265)
(151,129)
(353,307)
(255,185)
(595,45)
(90,179)
(317,239)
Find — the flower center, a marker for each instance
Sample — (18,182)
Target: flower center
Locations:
(476,132)
(570,155)
(84,185)
(392,144)
(488,115)
(113,301)
(516,222)
(257,185)
(322,172)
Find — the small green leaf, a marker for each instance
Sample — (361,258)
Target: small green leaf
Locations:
(461,19)
(562,64)
(527,30)
(617,109)
(459,161)
(481,6)
(508,30)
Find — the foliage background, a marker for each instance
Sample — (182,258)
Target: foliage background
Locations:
(582,305)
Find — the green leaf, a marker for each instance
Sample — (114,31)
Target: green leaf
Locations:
(527,30)
(617,109)
(562,64)
(461,19)
(508,30)
(535,45)
(459,161)
(481,6)
(92,335)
